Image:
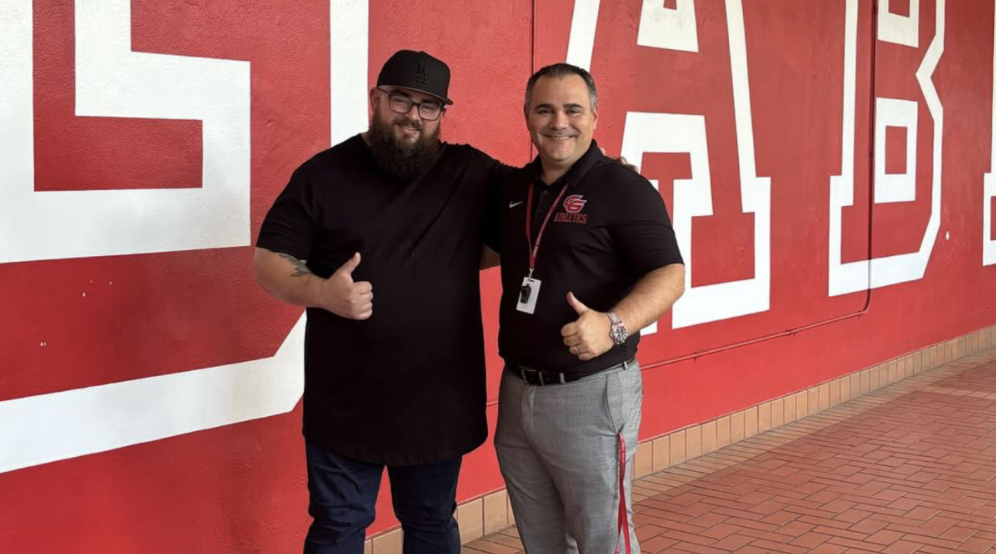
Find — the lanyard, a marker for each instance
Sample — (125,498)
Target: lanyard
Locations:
(534,249)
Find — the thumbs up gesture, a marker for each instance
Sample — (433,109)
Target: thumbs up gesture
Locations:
(587,337)
(344,297)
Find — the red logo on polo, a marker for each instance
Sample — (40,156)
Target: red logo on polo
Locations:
(574,203)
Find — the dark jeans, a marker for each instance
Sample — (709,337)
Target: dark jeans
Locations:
(344,492)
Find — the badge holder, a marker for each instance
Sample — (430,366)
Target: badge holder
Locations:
(528,295)
(531,287)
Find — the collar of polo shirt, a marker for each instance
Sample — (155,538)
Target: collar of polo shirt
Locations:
(577,171)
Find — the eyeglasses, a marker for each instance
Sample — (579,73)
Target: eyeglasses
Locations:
(399,103)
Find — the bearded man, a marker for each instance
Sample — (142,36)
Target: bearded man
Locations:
(398,212)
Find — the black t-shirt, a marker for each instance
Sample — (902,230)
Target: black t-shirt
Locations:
(406,386)
(609,229)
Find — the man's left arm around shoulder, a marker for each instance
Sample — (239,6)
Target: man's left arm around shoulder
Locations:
(653,295)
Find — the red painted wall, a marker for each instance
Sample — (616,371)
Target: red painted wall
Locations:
(241,487)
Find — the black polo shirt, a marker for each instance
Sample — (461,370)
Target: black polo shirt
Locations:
(406,386)
(609,229)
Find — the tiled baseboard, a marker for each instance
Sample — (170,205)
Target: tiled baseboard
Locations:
(679,446)
(492,512)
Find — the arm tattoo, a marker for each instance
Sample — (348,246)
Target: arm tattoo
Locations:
(300,269)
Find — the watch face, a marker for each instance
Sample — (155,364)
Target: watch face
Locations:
(619,334)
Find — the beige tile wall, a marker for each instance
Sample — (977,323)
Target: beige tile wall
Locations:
(492,512)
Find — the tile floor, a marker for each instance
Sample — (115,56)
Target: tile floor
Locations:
(907,468)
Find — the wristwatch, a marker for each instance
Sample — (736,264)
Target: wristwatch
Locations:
(618,331)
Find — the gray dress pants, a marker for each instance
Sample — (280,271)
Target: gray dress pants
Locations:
(558,448)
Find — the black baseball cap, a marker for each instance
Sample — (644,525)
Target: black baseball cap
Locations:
(417,71)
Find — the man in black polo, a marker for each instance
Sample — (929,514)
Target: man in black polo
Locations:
(396,213)
(588,258)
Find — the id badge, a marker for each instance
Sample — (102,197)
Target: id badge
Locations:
(528,295)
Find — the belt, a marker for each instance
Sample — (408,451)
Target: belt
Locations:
(545,378)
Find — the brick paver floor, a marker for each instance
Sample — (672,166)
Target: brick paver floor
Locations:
(907,468)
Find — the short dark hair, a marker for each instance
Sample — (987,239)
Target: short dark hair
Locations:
(559,71)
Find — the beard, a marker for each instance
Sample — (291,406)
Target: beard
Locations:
(403,160)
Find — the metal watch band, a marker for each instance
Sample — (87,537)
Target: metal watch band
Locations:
(614,318)
(617,332)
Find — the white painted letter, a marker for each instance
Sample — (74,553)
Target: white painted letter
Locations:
(674,133)
(989,187)
(113,81)
(861,275)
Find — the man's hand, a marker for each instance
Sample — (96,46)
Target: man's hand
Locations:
(622,161)
(588,336)
(341,296)
(627,165)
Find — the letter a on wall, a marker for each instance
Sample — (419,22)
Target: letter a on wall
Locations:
(676,30)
